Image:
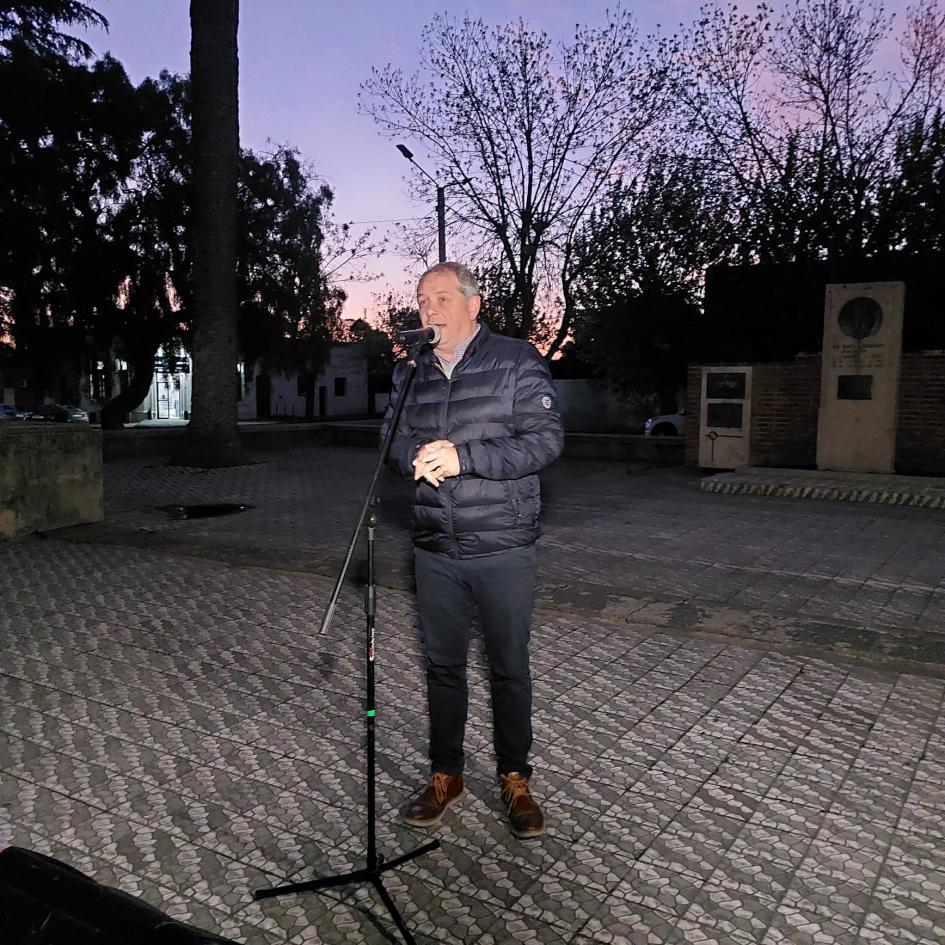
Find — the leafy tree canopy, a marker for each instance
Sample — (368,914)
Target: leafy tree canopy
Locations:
(35,25)
(641,258)
(69,135)
(95,258)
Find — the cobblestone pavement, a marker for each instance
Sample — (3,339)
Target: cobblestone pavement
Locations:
(172,722)
(646,545)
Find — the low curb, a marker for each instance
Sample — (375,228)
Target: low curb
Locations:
(886,490)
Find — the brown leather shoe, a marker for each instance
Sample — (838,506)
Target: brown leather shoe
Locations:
(525,816)
(429,806)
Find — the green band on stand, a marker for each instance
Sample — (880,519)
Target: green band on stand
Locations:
(371,713)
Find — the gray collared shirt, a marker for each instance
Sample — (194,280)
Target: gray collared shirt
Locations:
(448,364)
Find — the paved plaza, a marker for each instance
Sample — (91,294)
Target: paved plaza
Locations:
(739,713)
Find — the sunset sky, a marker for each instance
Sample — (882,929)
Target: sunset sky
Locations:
(301,63)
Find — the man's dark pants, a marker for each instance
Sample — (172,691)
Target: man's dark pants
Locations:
(501,587)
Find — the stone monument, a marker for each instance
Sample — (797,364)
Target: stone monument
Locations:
(859,392)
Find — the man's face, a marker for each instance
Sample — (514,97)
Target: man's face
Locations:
(441,303)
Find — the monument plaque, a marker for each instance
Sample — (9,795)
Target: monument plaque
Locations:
(859,393)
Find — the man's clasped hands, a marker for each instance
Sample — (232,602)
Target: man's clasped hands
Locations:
(435,462)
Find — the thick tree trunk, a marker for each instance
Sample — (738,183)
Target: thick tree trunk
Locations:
(213,435)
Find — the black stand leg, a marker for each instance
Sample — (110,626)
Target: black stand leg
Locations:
(375,865)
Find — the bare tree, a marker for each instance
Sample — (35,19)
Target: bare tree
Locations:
(528,133)
(800,120)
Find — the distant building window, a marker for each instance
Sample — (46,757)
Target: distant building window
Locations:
(97,386)
(341,384)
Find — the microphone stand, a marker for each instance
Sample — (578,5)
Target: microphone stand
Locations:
(375,865)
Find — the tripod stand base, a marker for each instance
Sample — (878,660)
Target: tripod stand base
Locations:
(371,873)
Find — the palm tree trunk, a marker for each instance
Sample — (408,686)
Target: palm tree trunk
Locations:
(213,435)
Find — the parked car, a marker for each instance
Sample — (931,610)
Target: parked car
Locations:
(60,413)
(666,424)
(7,412)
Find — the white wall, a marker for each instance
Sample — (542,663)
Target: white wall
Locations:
(350,362)
(246,406)
(588,407)
(346,361)
(169,397)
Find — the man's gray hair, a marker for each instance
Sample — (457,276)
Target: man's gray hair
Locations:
(468,283)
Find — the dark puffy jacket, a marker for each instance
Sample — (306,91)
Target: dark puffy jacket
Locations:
(499,410)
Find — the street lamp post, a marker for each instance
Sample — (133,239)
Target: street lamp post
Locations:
(440,200)
(441,221)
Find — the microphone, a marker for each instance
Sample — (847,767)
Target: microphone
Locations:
(419,336)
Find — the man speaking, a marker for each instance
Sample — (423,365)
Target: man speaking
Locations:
(479,422)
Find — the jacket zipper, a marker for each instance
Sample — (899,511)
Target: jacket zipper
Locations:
(448,498)
(513,501)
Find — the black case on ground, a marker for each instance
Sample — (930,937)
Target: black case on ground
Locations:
(43,900)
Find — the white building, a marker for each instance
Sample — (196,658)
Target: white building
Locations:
(340,389)
(171,388)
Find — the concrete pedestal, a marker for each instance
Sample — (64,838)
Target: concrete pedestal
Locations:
(859,399)
(50,476)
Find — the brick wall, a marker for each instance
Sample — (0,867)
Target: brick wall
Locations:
(786,399)
(691,418)
(784,404)
(920,438)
